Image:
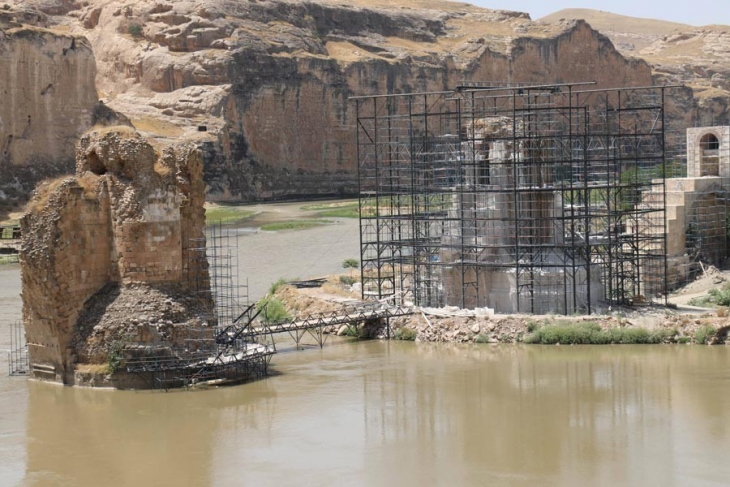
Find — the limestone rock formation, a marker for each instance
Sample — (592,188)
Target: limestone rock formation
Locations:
(109,256)
(698,57)
(48,99)
(264,87)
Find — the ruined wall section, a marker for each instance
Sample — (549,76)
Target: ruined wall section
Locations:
(146,196)
(110,243)
(65,257)
(48,100)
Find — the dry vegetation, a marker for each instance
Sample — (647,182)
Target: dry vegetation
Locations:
(43,193)
(607,21)
(157,127)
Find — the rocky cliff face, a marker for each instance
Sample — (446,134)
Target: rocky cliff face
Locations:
(263,87)
(698,57)
(48,98)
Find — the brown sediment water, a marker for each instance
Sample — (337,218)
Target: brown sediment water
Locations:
(378,413)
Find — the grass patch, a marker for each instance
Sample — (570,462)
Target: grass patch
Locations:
(331,206)
(341,209)
(407,334)
(226,214)
(340,213)
(293,225)
(590,333)
(9,259)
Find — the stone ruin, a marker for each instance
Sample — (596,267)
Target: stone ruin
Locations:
(490,241)
(696,205)
(111,259)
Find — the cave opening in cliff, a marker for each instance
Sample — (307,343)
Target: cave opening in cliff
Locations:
(523,198)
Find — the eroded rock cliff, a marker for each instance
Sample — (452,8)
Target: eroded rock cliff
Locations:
(48,99)
(698,57)
(263,87)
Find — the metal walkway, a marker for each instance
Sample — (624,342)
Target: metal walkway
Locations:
(350,315)
(240,351)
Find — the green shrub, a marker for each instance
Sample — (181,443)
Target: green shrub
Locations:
(347,280)
(532,326)
(590,333)
(408,334)
(704,334)
(135,30)
(274,310)
(352,331)
(684,340)
(481,338)
(717,296)
(721,296)
(115,358)
(276,285)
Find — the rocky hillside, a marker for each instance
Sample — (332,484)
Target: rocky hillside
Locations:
(48,99)
(263,85)
(698,57)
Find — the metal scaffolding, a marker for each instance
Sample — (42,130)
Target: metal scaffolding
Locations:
(529,198)
(18,363)
(202,355)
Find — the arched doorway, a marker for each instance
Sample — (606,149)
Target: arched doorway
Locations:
(709,155)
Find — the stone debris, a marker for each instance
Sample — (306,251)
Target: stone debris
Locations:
(455,325)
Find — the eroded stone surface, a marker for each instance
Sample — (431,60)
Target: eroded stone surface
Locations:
(270,82)
(48,100)
(109,255)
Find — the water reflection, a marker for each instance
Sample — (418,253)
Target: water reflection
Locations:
(374,413)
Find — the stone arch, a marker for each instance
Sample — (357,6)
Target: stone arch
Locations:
(709,155)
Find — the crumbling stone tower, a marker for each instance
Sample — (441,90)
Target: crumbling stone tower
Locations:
(108,255)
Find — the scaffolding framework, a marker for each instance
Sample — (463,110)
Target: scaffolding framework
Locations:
(528,198)
(18,363)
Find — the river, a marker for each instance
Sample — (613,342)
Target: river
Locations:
(382,413)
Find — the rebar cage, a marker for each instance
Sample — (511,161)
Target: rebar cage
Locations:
(529,198)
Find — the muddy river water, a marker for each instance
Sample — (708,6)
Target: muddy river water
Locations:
(381,413)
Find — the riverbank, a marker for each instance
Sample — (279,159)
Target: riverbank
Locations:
(630,325)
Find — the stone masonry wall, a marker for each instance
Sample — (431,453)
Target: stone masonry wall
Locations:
(694,152)
(62,268)
(125,221)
